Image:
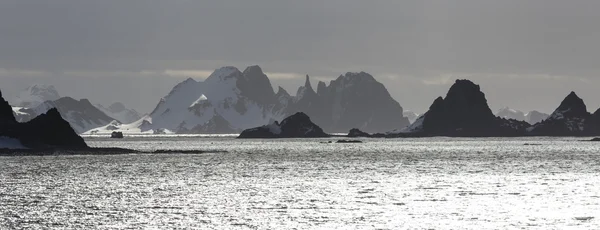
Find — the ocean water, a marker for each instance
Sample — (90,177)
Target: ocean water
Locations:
(427,183)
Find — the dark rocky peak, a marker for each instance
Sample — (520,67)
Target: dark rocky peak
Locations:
(465,97)
(321,88)
(254,71)
(571,106)
(6,112)
(464,112)
(255,85)
(50,130)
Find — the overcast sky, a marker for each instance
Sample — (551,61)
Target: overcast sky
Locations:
(524,54)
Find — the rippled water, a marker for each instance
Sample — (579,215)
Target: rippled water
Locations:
(440,183)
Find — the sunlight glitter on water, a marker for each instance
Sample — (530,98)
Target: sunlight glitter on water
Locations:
(441,183)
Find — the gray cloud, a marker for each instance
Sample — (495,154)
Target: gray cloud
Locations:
(87,48)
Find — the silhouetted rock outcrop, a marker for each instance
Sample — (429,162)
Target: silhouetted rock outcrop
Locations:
(6,113)
(298,125)
(464,112)
(358,133)
(116,135)
(569,119)
(48,130)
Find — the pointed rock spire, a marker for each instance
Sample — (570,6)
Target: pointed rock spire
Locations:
(307,84)
(321,87)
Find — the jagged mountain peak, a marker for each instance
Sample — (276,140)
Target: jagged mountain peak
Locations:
(255,85)
(282,92)
(572,105)
(253,69)
(307,84)
(358,75)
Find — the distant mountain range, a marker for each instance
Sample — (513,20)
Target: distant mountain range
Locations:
(230,100)
(119,112)
(531,117)
(81,114)
(35,95)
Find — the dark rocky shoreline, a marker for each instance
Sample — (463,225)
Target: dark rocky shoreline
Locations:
(96,151)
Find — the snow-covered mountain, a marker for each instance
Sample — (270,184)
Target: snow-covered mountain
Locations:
(534,117)
(36,95)
(118,111)
(230,101)
(508,113)
(81,115)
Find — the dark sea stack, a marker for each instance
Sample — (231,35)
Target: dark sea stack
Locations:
(298,125)
(569,119)
(50,130)
(358,133)
(464,112)
(116,135)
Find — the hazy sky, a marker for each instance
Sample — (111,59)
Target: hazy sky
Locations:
(524,54)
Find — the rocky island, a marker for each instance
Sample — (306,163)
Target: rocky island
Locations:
(298,125)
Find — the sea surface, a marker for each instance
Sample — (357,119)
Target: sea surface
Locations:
(426,183)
